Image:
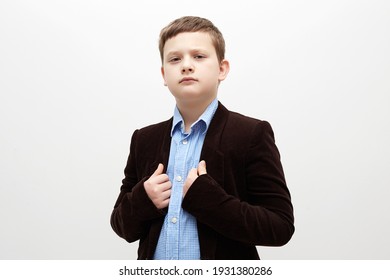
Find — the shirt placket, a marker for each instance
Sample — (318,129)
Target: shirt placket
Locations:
(179,175)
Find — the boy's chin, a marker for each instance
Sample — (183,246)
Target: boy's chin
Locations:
(193,96)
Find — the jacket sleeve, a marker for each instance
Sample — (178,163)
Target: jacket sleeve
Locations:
(265,217)
(133,209)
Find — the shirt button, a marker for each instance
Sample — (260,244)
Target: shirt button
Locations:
(178,178)
(174,220)
(185,142)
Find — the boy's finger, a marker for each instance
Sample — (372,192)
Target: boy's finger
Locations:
(193,173)
(159,170)
(202,168)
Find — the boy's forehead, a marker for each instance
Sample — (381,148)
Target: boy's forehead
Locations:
(194,40)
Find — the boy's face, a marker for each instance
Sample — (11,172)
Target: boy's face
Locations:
(191,69)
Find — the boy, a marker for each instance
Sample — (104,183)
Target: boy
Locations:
(208,183)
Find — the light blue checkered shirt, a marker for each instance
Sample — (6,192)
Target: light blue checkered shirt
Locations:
(179,234)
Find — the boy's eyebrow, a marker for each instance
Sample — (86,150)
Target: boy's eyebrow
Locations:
(195,50)
(172,53)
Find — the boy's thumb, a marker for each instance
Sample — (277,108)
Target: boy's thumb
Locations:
(202,168)
(159,170)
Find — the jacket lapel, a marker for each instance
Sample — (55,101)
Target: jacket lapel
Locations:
(211,153)
(163,155)
(215,168)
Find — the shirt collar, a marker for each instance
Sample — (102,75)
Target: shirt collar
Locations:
(205,118)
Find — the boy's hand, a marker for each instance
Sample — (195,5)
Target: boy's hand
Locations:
(193,174)
(158,188)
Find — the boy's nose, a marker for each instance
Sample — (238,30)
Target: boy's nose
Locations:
(187,69)
(187,66)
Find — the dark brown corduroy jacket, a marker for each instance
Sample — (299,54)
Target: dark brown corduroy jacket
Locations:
(241,202)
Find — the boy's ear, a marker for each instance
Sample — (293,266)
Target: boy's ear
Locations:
(163,75)
(224,68)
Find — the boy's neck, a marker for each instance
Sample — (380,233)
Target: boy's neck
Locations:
(191,112)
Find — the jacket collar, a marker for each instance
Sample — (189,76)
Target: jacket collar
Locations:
(210,150)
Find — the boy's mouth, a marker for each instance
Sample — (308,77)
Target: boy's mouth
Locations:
(187,79)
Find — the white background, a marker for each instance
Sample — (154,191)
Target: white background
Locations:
(77,77)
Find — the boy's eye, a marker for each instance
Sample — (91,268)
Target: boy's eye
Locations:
(174,59)
(199,56)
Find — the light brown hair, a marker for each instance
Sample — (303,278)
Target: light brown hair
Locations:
(193,24)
